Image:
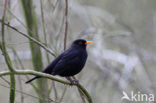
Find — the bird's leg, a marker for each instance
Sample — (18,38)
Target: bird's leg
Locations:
(72,81)
(75,80)
(69,79)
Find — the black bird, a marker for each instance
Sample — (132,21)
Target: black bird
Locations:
(68,63)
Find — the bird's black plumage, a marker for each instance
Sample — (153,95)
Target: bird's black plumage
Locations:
(68,63)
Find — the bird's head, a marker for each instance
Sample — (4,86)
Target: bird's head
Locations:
(81,43)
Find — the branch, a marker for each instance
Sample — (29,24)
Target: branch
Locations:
(66,24)
(7,58)
(65,39)
(32,39)
(19,91)
(30,72)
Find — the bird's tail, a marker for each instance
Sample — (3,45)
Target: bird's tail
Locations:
(32,79)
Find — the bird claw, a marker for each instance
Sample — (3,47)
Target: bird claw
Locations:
(76,81)
(72,82)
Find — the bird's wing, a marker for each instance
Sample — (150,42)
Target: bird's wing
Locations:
(50,67)
(66,60)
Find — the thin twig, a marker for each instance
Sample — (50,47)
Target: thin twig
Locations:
(65,39)
(34,40)
(48,99)
(7,58)
(60,27)
(66,24)
(4,9)
(55,90)
(20,83)
(22,66)
(45,40)
(43,27)
(80,92)
(16,62)
(5,80)
(82,96)
(35,73)
(53,5)
(63,94)
(31,72)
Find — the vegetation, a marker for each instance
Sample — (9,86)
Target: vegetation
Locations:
(121,59)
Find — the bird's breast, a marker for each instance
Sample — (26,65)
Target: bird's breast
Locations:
(75,65)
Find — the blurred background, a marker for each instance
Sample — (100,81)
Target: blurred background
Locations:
(122,57)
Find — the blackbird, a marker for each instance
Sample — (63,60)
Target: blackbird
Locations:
(68,63)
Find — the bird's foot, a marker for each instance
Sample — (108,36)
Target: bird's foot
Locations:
(76,81)
(72,81)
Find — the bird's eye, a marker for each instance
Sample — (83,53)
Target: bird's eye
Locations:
(80,43)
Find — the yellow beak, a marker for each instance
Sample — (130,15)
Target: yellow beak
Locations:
(88,42)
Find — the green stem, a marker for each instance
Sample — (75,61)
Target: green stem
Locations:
(30,72)
(9,64)
(31,21)
(30,38)
(85,92)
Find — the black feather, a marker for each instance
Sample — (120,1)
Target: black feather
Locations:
(32,79)
(68,63)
